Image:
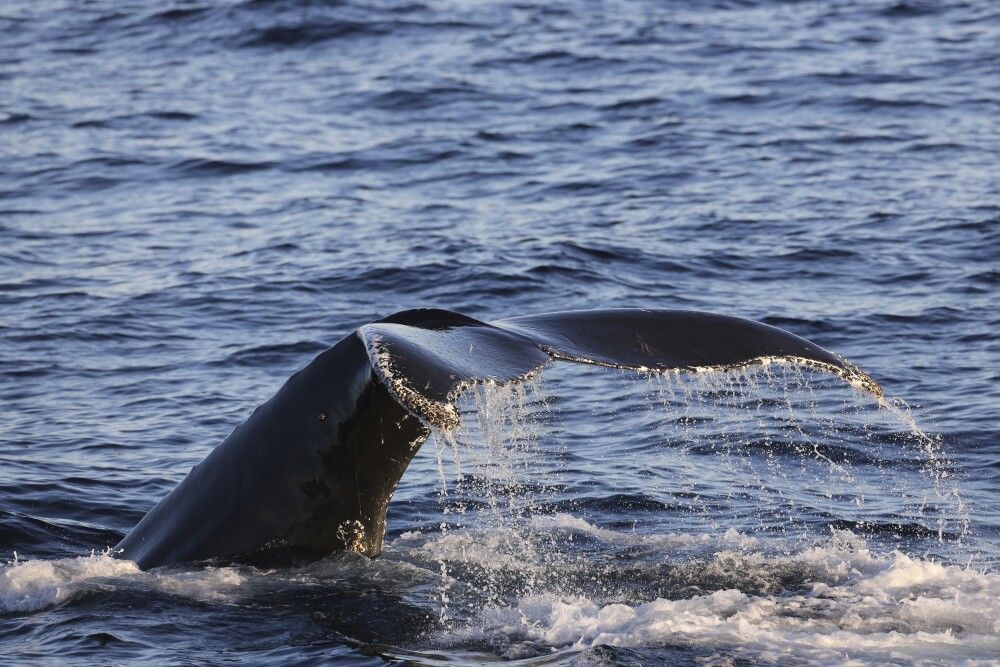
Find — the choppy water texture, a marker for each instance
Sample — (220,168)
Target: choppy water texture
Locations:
(196,198)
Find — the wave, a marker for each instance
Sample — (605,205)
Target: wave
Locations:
(135,119)
(513,592)
(212,167)
(834,602)
(32,585)
(311,33)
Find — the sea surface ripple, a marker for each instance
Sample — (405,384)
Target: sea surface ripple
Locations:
(197,196)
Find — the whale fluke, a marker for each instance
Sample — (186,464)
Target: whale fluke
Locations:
(312,470)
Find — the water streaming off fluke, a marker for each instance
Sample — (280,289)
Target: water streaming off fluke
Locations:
(708,511)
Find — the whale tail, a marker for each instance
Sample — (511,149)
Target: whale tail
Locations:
(427,357)
(313,469)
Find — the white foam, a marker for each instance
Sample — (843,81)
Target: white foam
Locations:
(853,606)
(489,550)
(573,524)
(33,585)
(534,546)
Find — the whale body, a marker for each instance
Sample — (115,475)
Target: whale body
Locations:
(312,470)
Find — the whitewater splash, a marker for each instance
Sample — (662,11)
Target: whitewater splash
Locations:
(33,585)
(835,602)
(819,568)
(838,601)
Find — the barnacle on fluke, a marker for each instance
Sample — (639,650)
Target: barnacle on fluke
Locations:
(287,481)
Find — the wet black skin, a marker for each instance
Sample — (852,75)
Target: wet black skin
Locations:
(298,473)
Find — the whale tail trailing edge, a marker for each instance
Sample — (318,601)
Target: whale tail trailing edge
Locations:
(312,470)
(426,367)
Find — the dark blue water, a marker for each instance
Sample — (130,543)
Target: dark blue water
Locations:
(198,197)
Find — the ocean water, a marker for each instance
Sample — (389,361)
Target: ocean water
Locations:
(198,197)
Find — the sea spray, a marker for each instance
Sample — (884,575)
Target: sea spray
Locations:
(488,456)
(782,442)
(782,409)
(936,465)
